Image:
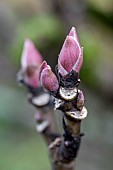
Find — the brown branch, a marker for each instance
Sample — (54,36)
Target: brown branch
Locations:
(63,152)
(63,149)
(44,116)
(47,126)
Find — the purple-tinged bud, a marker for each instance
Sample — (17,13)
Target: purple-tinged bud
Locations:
(73,33)
(48,79)
(31,76)
(77,66)
(71,55)
(30,62)
(42,66)
(30,55)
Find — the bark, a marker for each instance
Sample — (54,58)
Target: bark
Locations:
(63,149)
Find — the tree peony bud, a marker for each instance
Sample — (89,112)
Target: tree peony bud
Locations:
(30,62)
(73,33)
(30,55)
(71,55)
(48,79)
(42,66)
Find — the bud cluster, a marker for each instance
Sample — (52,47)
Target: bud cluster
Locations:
(64,84)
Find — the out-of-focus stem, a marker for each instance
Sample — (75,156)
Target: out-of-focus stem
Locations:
(49,131)
(64,150)
(70,166)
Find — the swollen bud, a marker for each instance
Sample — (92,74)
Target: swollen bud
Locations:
(71,56)
(30,62)
(48,79)
(30,55)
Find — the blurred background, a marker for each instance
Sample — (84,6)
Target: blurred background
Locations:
(47,22)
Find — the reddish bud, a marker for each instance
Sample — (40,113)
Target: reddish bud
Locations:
(70,57)
(30,62)
(31,76)
(73,33)
(30,55)
(48,79)
(42,66)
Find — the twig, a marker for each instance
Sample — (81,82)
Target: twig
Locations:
(69,99)
(43,102)
(44,116)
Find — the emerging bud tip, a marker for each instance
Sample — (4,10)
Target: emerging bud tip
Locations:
(30,55)
(47,78)
(30,61)
(71,56)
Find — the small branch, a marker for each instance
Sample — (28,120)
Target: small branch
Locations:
(73,126)
(47,126)
(64,150)
(70,101)
(44,116)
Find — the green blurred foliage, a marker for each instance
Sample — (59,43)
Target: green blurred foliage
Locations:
(101,5)
(20,146)
(23,153)
(45,31)
(91,53)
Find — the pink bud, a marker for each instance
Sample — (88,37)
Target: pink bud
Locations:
(48,79)
(77,66)
(30,62)
(31,76)
(42,66)
(30,55)
(70,57)
(73,33)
